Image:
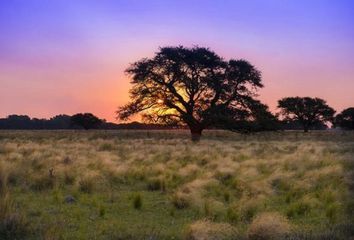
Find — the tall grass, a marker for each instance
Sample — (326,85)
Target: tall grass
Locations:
(290,184)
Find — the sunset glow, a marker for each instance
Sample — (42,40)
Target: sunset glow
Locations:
(69,56)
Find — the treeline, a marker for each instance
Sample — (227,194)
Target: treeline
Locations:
(66,122)
(343,120)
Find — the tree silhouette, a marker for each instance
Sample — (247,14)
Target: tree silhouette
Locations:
(86,120)
(345,119)
(260,119)
(193,87)
(263,119)
(307,111)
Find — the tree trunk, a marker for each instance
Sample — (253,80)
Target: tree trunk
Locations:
(196,133)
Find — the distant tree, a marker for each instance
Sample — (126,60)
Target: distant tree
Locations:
(86,120)
(37,123)
(345,119)
(61,121)
(307,111)
(264,120)
(261,119)
(296,125)
(193,87)
(19,121)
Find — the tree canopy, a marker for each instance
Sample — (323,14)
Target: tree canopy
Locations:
(193,87)
(86,120)
(307,111)
(345,119)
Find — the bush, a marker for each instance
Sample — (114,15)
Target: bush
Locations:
(269,226)
(206,230)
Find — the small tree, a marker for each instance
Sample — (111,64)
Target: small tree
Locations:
(307,111)
(193,87)
(86,120)
(345,119)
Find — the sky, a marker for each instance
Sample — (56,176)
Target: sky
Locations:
(69,56)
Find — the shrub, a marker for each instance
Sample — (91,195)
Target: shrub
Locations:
(269,226)
(207,230)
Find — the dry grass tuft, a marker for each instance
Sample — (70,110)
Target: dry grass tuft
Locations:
(269,226)
(87,184)
(3,181)
(180,200)
(42,182)
(13,224)
(207,230)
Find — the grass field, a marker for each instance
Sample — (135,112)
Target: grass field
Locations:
(160,185)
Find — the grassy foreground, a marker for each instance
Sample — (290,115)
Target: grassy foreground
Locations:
(160,185)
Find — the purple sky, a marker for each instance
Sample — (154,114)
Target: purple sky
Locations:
(68,56)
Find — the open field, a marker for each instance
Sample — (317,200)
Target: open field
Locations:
(160,185)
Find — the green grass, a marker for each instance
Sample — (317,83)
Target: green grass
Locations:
(159,185)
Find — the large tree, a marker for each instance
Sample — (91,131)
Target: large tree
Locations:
(345,119)
(307,111)
(191,86)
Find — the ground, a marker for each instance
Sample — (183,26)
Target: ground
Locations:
(160,185)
